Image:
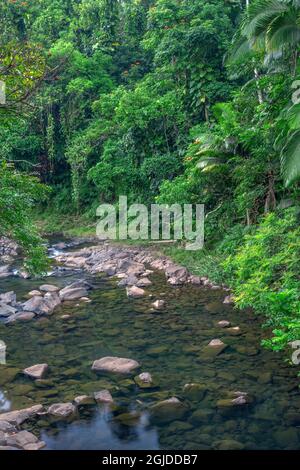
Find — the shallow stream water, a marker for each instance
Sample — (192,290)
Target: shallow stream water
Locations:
(169,345)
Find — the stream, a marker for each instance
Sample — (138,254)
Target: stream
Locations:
(169,345)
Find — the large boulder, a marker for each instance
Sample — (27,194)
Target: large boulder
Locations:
(119,365)
(37,371)
(18,417)
(42,305)
(69,293)
(21,439)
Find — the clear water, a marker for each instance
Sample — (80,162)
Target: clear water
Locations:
(169,345)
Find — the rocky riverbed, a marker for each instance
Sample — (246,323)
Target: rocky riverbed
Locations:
(120,348)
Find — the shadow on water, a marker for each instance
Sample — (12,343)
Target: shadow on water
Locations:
(169,345)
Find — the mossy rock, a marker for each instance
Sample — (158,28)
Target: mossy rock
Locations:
(8,374)
(194,391)
(167,411)
(201,416)
(128,419)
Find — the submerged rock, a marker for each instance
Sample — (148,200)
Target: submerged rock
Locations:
(224,323)
(168,410)
(119,365)
(37,371)
(194,391)
(229,444)
(49,288)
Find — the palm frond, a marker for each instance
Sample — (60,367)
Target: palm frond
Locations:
(260,14)
(282,31)
(290,159)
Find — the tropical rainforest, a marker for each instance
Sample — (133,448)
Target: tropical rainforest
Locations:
(167,101)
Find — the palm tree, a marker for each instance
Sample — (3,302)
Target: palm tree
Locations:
(273,26)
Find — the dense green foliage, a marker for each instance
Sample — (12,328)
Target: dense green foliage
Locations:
(170,101)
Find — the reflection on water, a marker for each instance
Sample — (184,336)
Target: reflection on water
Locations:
(169,345)
(4,403)
(100,432)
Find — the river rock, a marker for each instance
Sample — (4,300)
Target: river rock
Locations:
(21,439)
(69,293)
(176,275)
(36,372)
(34,293)
(128,281)
(4,271)
(287,438)
(229,299)
(8,447)
(37,305)
(25,316)
(168,410)
(84,400)
(8,298)
(5,427)
(195,280)
(135,292)
(80,283)
(17,417)
(224,323)
(118,365)
(104,396)
(144,380)
(213,349)
(234,331)
(62,410)
(35,445)
(49,288)
(6,310)
(144,282)
(229,444)
(159,304)
(194,391)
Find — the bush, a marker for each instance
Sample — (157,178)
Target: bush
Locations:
(264,273)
